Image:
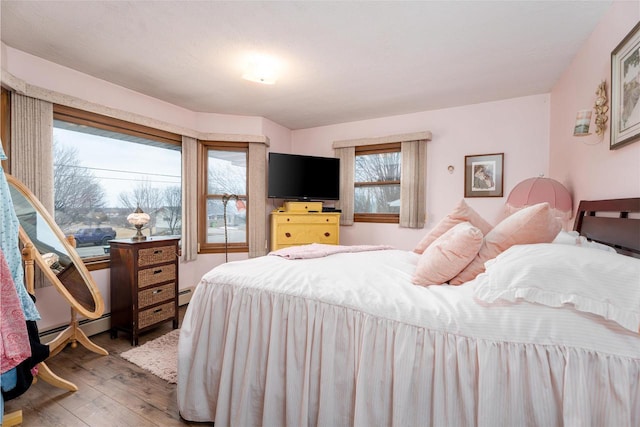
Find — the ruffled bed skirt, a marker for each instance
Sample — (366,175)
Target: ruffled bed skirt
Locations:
(252,358)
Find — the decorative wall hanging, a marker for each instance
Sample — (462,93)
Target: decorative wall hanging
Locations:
(601,108)
(483,175)
(625,90)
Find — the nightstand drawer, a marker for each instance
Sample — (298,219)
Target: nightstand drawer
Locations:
(158,255)
(158,274)
(155,295)
(156,314)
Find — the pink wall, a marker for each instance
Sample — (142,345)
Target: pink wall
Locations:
(517,127)
(586,165)
(528,130)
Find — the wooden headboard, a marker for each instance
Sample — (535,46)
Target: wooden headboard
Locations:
(609,222)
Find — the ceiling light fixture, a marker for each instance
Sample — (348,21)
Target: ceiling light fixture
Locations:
(261,69)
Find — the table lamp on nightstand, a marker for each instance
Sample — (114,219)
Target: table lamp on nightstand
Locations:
(138,219)
(532,191)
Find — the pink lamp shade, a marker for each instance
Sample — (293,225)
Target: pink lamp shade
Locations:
(539,190)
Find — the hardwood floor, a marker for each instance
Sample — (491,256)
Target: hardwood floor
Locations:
(112,391)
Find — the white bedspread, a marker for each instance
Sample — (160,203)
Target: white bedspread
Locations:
(347,340)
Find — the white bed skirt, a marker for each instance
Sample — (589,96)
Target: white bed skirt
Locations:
(250,357)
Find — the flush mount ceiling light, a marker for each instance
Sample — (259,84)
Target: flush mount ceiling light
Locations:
(261,69)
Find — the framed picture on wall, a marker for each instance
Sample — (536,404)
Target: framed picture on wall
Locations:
(625,90)
(483,175)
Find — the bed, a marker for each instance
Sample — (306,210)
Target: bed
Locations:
(546,335)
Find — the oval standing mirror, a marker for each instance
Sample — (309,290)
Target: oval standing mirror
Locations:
(55,255)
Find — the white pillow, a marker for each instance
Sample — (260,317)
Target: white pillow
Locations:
(573,238)
(593,281)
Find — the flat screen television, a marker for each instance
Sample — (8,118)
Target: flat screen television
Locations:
(304,178)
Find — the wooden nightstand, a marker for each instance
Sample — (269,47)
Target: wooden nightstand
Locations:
(144,284)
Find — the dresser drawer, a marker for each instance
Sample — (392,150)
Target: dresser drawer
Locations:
(157,255)
(305,234)
(156,314)
(307,219)
(151,296)
(157,274)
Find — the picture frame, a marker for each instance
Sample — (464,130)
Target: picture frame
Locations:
(625,87)
(483,175)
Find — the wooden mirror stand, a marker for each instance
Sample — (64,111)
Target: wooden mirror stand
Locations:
(40,234)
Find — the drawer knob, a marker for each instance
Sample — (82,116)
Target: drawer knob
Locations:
(157,291)
(327,234)
(157,271)
(287,234)
(157,251)
(158,310)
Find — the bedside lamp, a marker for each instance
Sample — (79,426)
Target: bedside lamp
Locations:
(538,190)
(138,219)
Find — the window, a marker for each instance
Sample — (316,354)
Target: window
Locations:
(224,197)
(377,183)
(103,170)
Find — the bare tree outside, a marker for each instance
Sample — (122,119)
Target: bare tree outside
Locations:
(224,177)
(377,178)
(145,196)
(172,209)
(78,196)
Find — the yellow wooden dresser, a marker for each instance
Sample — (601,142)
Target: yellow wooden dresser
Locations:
(300,223)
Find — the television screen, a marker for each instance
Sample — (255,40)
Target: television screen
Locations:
(298,177)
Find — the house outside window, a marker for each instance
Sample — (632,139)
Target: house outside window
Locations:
(377,183)
(103,170)
(224,197)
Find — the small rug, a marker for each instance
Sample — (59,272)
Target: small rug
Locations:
(158,356)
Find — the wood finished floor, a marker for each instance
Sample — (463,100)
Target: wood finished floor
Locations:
(112,391)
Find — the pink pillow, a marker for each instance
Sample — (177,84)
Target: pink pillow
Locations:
(448,255)
(461,213)
(533,224)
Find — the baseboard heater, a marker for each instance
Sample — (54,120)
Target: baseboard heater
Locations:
(184,296)
(89,327)
(103,323)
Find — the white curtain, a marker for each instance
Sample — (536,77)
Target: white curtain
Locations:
(257,188)
(189,198)
(32,146)
(413,184)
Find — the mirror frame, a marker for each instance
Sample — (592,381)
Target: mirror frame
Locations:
(73,255)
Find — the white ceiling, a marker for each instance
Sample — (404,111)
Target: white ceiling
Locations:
(341,61)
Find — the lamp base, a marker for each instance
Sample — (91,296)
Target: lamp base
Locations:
(139,236)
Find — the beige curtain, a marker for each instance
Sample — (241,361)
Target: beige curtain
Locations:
(347,168)
(189,198)
(412,184)
(257,179)
(32,146)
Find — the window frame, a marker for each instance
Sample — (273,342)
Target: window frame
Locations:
(204,197)
(387,218)
(95,120)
